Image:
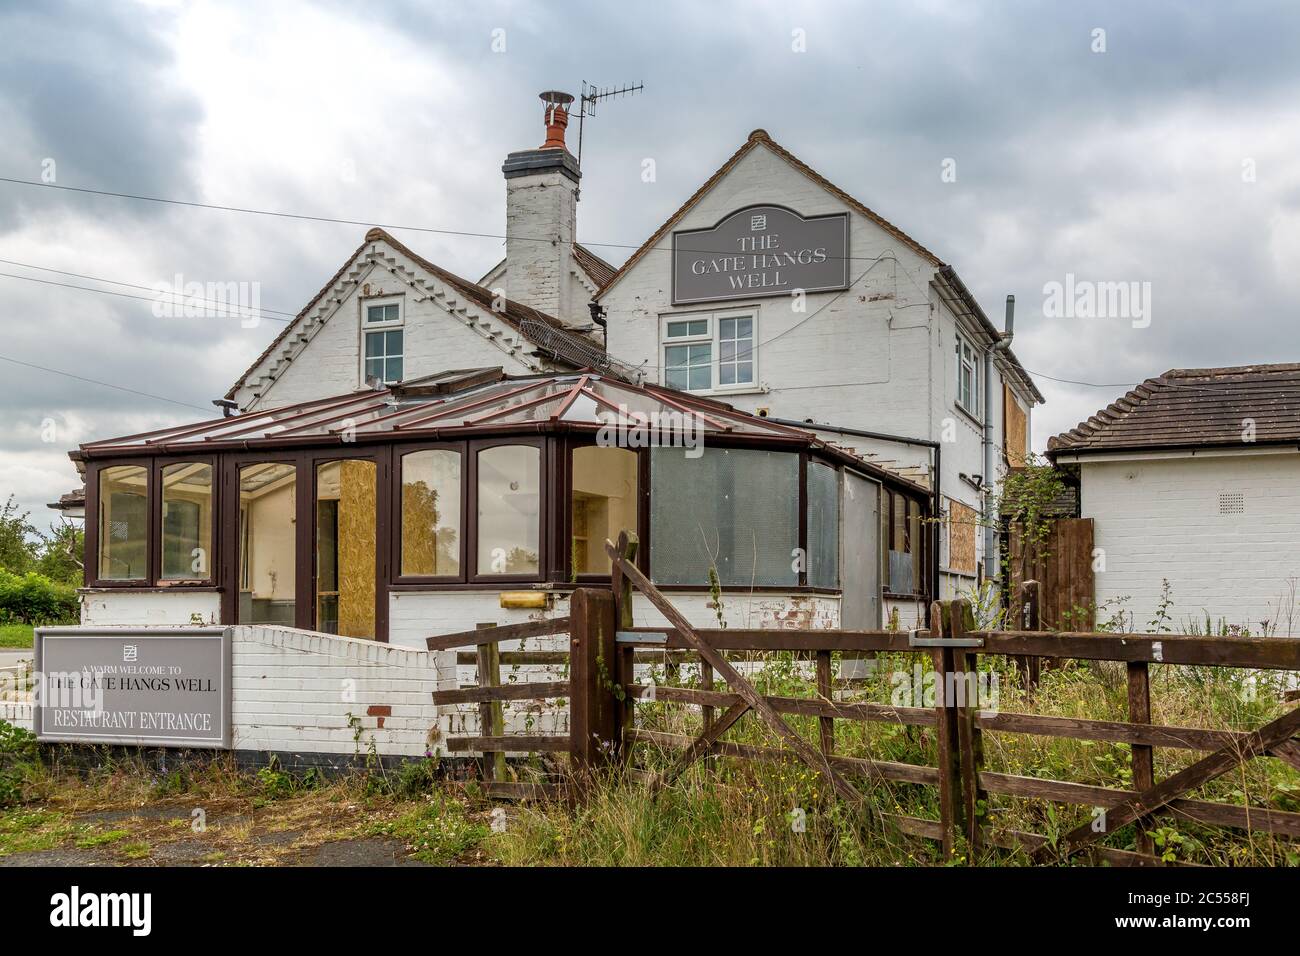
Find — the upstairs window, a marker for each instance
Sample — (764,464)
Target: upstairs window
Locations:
(383,340)
(704,352)
(968,377)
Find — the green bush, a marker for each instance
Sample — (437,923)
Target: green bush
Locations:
(19,754)
(33,599)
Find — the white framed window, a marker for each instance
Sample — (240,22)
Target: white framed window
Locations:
(383,343)
(969,395)
(708,351)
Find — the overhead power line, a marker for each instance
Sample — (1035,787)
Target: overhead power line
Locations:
(128,285)
(336,220)
(94,381)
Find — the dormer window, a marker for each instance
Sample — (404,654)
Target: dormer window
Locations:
(382,339)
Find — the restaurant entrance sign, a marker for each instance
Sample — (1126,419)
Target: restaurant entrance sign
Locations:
(761,251)
(158,687)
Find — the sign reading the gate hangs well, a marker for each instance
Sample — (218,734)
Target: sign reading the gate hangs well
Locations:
(759,251)
(165,688)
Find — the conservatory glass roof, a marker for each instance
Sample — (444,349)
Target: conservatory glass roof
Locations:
(469,404)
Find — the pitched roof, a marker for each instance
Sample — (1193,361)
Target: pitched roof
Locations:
(597,269)
(547,332)
(1195,407)
(756,138)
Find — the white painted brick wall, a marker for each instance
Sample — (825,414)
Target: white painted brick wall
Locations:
(110,607)
(329,362)
(414,616)
(18,713)
(537,274)
(1157,519)
(880,357)
(291,692)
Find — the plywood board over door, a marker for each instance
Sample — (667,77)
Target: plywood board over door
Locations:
(357,548)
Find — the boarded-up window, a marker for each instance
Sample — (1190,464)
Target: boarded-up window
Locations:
(961,537)
(1015,429)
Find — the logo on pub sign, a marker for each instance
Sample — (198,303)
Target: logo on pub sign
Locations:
(761,251)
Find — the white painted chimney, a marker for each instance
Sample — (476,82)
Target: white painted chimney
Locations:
(541,217)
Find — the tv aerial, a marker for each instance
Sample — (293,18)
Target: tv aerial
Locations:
(591,95)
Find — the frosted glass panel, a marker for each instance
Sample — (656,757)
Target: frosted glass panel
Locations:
(823,526)
(733,509)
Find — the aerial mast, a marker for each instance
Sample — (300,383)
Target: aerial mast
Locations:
(590,96)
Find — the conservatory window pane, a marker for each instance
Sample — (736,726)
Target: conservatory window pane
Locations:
(123,523)
(734,510)
(431,488)
(823,526)
(267,544)
(509,510)
(604,502)
(186,522)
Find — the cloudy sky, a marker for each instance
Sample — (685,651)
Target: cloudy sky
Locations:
(1164,150)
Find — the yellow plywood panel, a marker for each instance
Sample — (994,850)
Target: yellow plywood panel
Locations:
(356,548)
(962,524)
(1015,429)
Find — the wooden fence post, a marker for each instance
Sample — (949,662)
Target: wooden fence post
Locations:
(1144,775)
(969,736)
(1031,619)
(491,716)
(625,657)
(593,709)
(824,690)
(946,732)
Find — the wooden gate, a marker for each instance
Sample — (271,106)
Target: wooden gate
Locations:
(602,693)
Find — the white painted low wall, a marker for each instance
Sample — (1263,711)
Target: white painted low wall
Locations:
(18,713)
(297,691)
(417,615)
(110,607)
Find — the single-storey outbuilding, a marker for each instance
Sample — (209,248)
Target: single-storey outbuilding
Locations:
(1193,478)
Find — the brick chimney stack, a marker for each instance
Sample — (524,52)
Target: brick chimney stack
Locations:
(541,217)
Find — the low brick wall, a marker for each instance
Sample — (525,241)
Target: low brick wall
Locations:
(300,691)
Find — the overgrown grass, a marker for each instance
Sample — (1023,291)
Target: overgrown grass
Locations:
(721,812)
(16,635)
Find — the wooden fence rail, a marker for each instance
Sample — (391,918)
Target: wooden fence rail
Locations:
(602,692)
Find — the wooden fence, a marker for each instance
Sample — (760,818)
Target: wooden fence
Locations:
(605,647)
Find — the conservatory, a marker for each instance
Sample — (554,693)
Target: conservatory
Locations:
(473,497)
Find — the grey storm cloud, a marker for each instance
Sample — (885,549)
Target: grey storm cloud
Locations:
(1122,165)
